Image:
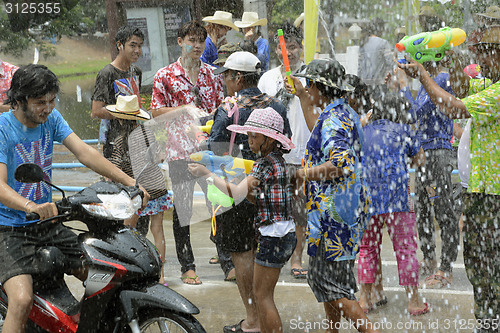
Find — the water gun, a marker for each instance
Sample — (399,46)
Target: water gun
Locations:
(285,59)
(223,166)
(431,46)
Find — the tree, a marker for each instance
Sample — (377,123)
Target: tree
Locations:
(20,31)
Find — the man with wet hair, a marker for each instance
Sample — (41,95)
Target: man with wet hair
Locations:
(120,77)
(188,81)
(27,133)
(235,227)
(273,83)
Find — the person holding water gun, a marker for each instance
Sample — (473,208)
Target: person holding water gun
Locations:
(434,130)
(289,48)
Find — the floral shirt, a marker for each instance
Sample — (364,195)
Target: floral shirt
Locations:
(172,87)
(338,209)
(484,108)
(6,72)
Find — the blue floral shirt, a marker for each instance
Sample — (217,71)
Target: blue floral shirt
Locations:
(338,209)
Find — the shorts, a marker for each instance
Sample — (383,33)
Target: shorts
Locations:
(157,205)
(275,251)
(299,210)
(235,228)
(331,280)
(18,246)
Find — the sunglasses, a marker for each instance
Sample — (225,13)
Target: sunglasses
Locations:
(309,83)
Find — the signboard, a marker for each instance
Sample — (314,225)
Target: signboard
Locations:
(144,62)
(174,16)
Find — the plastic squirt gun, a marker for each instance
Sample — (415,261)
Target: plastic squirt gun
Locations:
(223,166)
(286,63)
(431,46)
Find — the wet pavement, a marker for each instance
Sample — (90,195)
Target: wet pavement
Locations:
(220,304)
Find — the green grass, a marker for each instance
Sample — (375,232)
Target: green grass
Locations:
(87,67)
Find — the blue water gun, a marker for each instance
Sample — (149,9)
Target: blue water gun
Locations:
(223,166)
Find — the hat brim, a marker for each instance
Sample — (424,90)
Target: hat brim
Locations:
(220,70)
(241,24)
(142,115)
(281,138)
(211,19)
(344,86)
(220,61)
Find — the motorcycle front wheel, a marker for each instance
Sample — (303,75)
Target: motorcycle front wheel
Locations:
(164,321)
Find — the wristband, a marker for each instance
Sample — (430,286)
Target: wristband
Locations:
(26,205)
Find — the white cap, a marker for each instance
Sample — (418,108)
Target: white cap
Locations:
(240,61)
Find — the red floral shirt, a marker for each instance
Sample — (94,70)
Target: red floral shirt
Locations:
(6,72)
(172,87)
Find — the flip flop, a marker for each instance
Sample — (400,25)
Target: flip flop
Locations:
(420,312)
(214,260)
(236,328)
(382,302)
(299,273)
(190,278)
(440,282)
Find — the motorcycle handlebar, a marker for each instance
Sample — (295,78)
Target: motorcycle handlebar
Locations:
(32,216)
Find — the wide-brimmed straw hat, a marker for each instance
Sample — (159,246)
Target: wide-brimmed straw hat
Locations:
(250,19)
(491,13)
(222,18)
(489,35)
(328,72)
(267,122)
(127,107)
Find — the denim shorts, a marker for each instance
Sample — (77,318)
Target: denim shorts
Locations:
(275,251)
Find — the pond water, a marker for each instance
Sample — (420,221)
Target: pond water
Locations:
(76,112)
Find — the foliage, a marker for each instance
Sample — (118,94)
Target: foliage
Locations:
(286,10)
(77,16)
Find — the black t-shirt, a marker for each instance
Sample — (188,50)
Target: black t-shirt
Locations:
(110,83)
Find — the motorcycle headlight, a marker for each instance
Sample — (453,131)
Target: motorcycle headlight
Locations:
(114,206)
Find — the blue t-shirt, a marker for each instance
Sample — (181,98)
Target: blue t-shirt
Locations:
(210,53)
(263,52)
(20,144)
(385,164)
(435,129)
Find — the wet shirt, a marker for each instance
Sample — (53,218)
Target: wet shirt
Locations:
(263,52)
(20,144)
(6,72)
(337,209)
(385,156)
(248,100)
(484,108)
(172,87)
(274,194)
(110,83)
(210,53)
(435,129)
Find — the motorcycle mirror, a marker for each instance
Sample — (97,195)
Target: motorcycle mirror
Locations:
(32,173)
(29,173)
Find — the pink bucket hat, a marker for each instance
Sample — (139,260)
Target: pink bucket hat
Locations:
(267,122)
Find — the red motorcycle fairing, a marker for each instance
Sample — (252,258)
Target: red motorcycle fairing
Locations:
(50,318)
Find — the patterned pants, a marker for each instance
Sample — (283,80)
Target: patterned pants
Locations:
(481,233)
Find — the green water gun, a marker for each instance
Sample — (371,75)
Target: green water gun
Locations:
(431,46)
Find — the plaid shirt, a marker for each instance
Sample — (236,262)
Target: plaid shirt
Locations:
(274,193)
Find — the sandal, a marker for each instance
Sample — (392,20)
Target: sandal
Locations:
(187,280)
(436,281)
(236,328)
(420,312)
(299,273)
(214,260)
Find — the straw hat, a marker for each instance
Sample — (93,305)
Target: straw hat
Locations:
(298,21)
(490,35)
(267,122)
(492,13)
(250,19)
(222,18)
(127,107)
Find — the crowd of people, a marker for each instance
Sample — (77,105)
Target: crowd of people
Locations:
(331,153)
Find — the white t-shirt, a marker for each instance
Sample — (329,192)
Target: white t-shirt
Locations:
(271,83)
(277,229)
(463,155)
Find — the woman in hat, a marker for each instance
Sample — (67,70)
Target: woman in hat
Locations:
(338,201)
(128,112)
(217,27)
(250,24)
(268,187)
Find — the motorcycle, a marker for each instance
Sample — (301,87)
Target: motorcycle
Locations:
(122,293)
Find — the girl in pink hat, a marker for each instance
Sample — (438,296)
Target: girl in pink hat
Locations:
(268,187)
